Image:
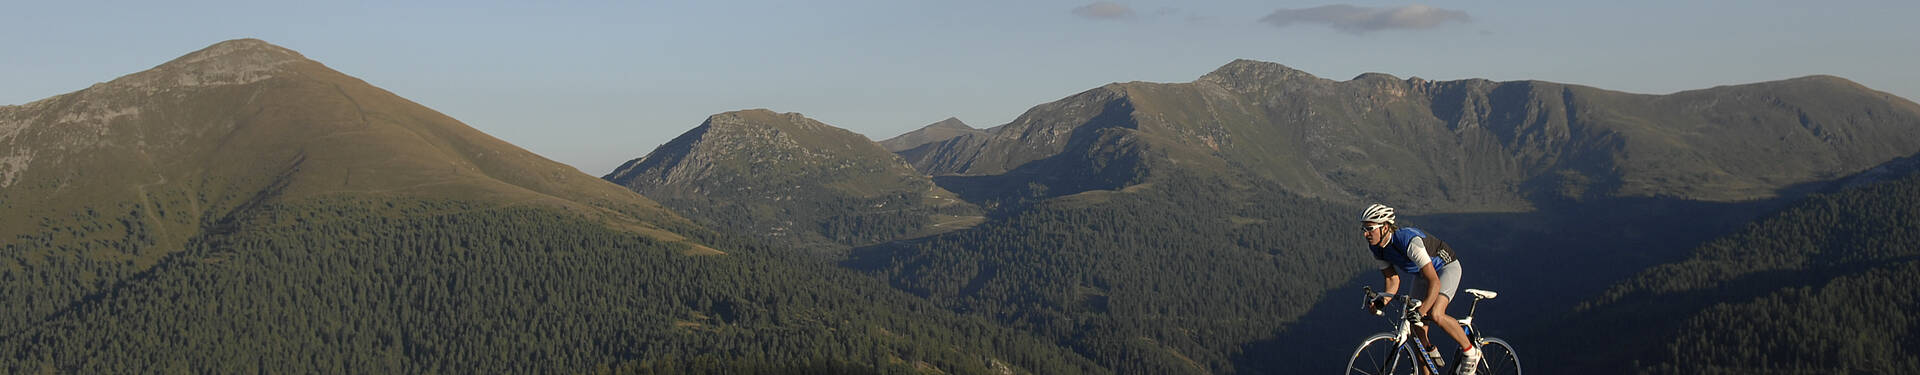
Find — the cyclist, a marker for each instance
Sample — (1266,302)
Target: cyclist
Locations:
(1436,274)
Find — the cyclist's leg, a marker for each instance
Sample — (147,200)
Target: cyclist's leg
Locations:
(1447,323)
(1449,283)
(1420,290)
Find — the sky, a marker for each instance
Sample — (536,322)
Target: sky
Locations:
(596,83)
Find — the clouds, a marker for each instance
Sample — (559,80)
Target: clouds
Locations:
(1103,10)
(1351,19)
(1361,20)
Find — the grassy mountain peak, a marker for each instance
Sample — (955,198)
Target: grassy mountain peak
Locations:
(935,132)
(789,177)
(1246,71)
(757,141)
(233,61)
(208,137)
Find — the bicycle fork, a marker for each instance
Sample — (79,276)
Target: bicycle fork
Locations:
(1418,348)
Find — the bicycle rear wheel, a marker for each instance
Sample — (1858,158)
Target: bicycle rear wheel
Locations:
(1497,358)
(1379,355)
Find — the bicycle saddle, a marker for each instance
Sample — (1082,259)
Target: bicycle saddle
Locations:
(1483,294)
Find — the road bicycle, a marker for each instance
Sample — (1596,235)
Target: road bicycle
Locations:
(1397,352)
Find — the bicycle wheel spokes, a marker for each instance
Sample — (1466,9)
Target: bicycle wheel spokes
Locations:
(1378,355)
(1498,358)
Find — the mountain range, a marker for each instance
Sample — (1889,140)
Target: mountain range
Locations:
(246,209)
(1455,146)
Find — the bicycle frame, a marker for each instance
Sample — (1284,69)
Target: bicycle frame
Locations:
(1416,347)
(1410,346)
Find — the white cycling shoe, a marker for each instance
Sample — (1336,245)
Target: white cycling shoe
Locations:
(1469,362)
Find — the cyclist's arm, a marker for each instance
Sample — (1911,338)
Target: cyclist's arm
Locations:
(1393,283)
(1417,250)
(1433,286)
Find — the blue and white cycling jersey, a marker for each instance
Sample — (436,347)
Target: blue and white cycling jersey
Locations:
(1413,248)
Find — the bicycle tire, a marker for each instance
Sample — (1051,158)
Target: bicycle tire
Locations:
(1379,355)
(1497,358)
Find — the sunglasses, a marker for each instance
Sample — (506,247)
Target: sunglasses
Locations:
(1370,227)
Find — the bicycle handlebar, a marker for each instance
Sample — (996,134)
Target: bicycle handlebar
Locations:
(1410,306)
(1373,299)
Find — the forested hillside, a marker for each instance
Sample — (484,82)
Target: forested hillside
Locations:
(1824,286)
(355,285)
(1165,277)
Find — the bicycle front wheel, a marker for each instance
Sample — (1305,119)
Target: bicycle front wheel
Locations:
(1497,358)
(1379,355)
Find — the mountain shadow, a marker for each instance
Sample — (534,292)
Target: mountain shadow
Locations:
(1167,276)
(1820,286)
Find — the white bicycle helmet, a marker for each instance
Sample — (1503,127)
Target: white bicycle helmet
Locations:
(1377,213)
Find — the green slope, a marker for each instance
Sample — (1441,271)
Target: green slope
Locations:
(1162,278)
(411,286)
(105,181)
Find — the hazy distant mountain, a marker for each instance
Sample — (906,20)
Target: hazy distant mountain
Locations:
(1453,145)
(935,132)
(790,179)
(243,209)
